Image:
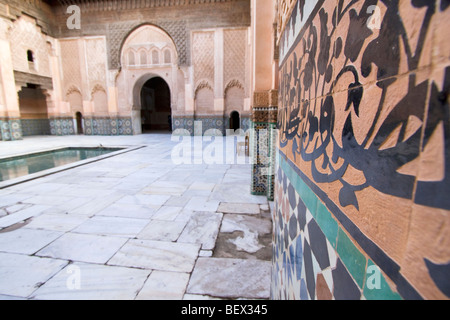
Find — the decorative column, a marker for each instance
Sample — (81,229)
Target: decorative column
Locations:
(263,142)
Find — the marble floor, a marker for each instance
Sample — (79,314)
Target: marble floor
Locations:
(139,225)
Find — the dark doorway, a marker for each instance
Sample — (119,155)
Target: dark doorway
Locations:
(33,111)
(155,106)
(79,119)
(235,120)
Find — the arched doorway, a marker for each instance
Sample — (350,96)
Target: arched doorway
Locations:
(235,120)
(79,120)
(156,106)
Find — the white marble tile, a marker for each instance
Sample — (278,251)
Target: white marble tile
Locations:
(172,188)
(22,215)
(231,278)
(202,228)
(56,222)
(81,281)
(202,204)
(112,226)
(125,210)
(162,230)
(97,204)
(145,200)
(26,241)
(51,200)
(83,248)
(236,193)
(20,275)
(163,285)
(240,208)
(167,213)
(12,199)
(157,255)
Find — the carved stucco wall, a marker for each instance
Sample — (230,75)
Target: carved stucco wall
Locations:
(84,66)
(203,57)
(25,35)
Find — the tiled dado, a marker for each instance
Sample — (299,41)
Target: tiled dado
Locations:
(10,129)
(108,126)
(61,126)
(35,127)
(313,256)
(200,125)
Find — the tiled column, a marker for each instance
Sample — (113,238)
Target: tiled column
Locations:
(263,142)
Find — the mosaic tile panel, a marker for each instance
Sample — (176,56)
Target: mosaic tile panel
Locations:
(222,124)
(35,127)
(313,257)
(11,129)
(209,126)
(180,123)
(108,126)
(260,157)
(62,126)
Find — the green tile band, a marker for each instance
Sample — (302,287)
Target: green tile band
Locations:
(354,260)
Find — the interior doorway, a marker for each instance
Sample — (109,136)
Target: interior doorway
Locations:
(156,112)
(235,120)
(79,120)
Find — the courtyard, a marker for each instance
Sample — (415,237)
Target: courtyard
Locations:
(134,226)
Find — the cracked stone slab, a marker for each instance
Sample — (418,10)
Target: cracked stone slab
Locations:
(22,215)
(157,255)
(234,222)
(82,281)
(239,208)
(160,230)
(21,275)
(231,278)
(26,241)
(202,228)
(83,248)
(162,285)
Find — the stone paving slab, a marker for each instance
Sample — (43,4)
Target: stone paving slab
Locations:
(202,203)
(157,255)
(231,278)
(83,248)
(167,213)
(21,275)
(160,230)
(125,210)
(83,281)
(56,222)
(26,241)
(22,215)
(112,226)
(163,285)
(136,216)
(202,228)
(240,208)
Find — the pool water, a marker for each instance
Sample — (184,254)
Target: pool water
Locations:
(16,167)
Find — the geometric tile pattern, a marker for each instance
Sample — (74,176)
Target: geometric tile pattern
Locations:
(313,257)
(207,123)
(61,126)
(108,126)
(263,142)
(10,129)
(260,153)
(35,127)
